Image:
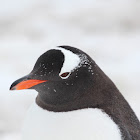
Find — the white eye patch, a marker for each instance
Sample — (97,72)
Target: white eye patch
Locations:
(71,61)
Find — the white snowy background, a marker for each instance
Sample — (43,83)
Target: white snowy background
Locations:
(109,31)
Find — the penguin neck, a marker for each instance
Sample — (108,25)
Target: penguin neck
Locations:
(118,109)
(115,105)
(122,114)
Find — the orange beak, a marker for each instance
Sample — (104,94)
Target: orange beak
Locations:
(23,83)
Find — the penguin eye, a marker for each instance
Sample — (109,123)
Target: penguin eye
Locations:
(65,75)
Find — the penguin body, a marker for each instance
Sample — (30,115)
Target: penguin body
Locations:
(75,101)
(84,124)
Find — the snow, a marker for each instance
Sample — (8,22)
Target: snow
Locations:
(108,31)
(11,136)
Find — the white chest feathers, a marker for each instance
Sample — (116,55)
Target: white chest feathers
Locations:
(85,124)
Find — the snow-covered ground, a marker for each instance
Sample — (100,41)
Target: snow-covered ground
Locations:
(107,30)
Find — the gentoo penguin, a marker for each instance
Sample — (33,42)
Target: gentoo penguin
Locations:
(75,101)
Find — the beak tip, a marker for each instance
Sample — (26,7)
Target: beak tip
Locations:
(12,88)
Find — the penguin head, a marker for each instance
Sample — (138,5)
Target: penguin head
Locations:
(60,76)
